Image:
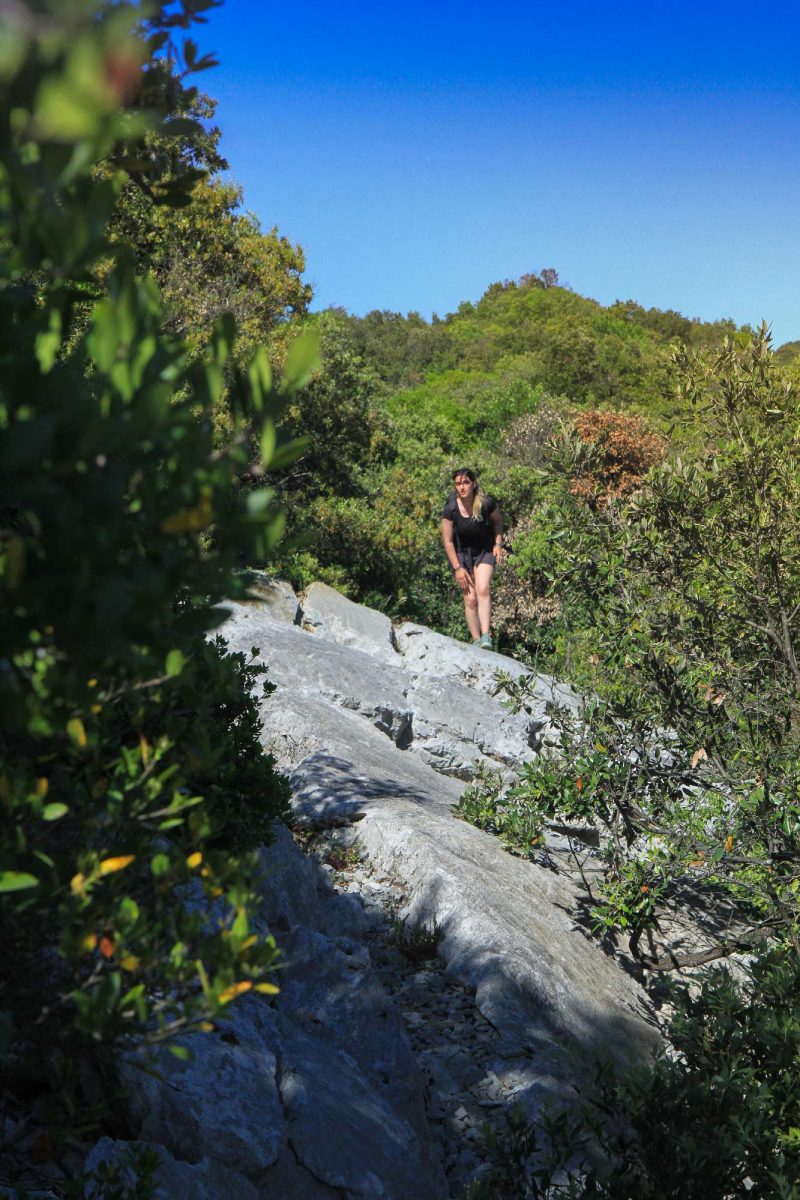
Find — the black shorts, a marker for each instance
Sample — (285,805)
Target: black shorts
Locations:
(472,558)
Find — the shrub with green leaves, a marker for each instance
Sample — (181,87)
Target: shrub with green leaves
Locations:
(688,764)
(688,761)
(133,789)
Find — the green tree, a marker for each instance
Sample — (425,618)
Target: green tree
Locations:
(399,349)
(344,430)
(209,258)
(132,784)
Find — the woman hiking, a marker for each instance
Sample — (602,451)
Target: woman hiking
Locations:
(472,533)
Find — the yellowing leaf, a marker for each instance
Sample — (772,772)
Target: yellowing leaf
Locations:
(267,989)
(129,963)
(15,562)
(729,842)
(89,942)
(144,749)
(194,860)
(206,1027)
(77,732)
(17,881)
(236,989)
(109,865)
(107,947)
(42,787)
(78,885)
(95,709)
(190,520)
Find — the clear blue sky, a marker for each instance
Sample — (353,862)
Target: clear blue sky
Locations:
(420,151)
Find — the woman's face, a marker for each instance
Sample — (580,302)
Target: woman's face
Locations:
(464,486)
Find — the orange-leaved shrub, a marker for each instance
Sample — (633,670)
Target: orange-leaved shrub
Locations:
(623,450)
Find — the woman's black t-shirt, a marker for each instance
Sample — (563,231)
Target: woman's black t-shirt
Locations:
(469,534)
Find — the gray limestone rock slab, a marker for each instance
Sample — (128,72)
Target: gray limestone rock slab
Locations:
(456,727)
(288,1179)
(369,785)
(309,666)
(224,1098)
(330,615)
(174,1180)
(318,1089)
(510,932)
(509,926)
(333,990)
(345,1132)
(298,725)
(428,653)
(299,730)
(290,885)
(276,597)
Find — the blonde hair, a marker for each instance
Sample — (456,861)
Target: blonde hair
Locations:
(479,497)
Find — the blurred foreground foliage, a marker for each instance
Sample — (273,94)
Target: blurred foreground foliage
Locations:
(133,789)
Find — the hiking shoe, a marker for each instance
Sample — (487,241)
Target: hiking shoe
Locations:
(485,641)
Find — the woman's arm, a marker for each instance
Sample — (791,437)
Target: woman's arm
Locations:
(449,544)
(497,533)
(461,573)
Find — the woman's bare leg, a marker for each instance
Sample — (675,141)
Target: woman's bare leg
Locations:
(483,592)
(471,609)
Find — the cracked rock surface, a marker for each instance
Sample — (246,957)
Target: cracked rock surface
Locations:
(369,1076)
(316,1092)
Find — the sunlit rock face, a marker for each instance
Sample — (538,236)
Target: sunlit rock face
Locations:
(319,1092)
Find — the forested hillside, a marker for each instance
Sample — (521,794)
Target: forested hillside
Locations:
(502,386)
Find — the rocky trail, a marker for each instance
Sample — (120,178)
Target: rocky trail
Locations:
(431,980)
(470,1079)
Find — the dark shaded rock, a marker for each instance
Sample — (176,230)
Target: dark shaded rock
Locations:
(205,1179)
